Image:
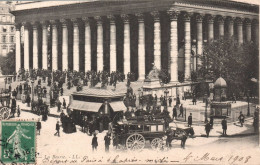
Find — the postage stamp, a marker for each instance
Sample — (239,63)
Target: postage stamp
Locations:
(18,142)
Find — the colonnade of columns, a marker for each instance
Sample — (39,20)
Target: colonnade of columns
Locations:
(141,61)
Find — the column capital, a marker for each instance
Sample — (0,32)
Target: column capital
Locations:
(86,20)
(199,18)
(35,25)
(25,24)
(220,19)
(248,22)
(98,19)
(75,21)
(18,26)
(211,18)
(156,15)
(140,17)
(230,20)
(239,20)
(44,23)
(187,16)
(64,22)
(53,23)
(173,14)
(125,17)
(255,21)
(112,18)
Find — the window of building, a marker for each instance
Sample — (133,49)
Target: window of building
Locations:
(12,29)
(4,29)
(4,39)
(12,39)
(4,18)
(7,19)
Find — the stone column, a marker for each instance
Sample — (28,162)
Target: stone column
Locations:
(113,61)
(173,46)
(256,31)
(210,28)
(87,44)
(44,45)
(199,19)
(75,44)
(141,47)
(65,55)
(221,26)
(17,47)
(127,66)
(187,46)
(240,30)
(157,39)
(35,45)
(26,46)
(100,63)
(230,26)
(248,30)
(54,45)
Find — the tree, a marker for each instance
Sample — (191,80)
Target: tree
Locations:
(236,63)
(7,63)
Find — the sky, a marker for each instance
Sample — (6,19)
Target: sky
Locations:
(249,1)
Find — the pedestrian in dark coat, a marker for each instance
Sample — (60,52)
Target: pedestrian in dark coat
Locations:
(94,143)
(170,102)
(107,142)
(61,91)
(178,100)
(64,103)
(241,118)
(211,122)
(224,126)
(18,111)
(190,120)
(59,105)
(39,126)
(57,129)
(181,111)
(174,112)
(255,124)
(207,128)
(194,100)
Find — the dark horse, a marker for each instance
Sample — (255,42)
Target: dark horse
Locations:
(178,134)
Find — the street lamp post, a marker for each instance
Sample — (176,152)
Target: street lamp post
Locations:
(166,93)
(5,83)
(139,98)
(32,90)
(248,108)
(206,109)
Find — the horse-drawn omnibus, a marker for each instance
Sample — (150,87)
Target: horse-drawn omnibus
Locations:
(133,135)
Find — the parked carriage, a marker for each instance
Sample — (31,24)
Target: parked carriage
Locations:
(133,135)
(5,109)
(38,107)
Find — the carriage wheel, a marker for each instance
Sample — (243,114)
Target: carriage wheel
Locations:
(4,113)
(135,142)
(156,143)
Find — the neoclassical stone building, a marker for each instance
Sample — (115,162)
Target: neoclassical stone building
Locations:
(127,35)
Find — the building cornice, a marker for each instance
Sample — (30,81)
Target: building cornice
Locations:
(213,10)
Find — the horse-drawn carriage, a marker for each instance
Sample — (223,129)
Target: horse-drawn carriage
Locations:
(133,135)
(5,109)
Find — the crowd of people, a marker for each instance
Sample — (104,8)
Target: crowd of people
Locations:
(148,105)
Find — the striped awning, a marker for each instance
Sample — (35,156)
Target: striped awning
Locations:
(85,106)
(118,106)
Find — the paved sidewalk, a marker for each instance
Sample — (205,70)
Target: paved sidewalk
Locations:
(233,129)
